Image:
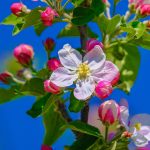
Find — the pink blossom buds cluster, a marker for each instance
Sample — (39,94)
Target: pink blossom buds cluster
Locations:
(109,112)
(49,44)
(53,64)
(45,147)
(51,88)
(48,16)
(5,77)
(91,43)
(19,9)
(24,54)
(142,5)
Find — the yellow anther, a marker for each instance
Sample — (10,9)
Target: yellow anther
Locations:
(83,71)
(138,126)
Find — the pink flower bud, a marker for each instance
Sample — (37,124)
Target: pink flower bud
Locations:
(145,9)
(18,8)
(109,112)
(49,44)
(91,43)
(116,79)
(103,89)
(5,77)
(24,54)
(45,147)
(104,1)
(51,87)
(48,16)
(53,64)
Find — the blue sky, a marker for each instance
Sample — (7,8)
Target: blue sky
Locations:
(20,132)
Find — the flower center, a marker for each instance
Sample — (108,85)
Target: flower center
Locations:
(83,71)
(138,126)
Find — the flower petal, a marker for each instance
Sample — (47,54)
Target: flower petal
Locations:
(69,57)
(124,116)
(144,119)
(95,58)
(145,130)
(62,77)
(107,73)
(84,89)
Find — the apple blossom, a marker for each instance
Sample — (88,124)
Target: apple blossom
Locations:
(91,43)
(50,87)
(48,16)
(49,44)
(145,9)
(53,64)
(5,77)
(24,54)
(109,112)
(18,9)
(103,89)
(85,72)
(138,126)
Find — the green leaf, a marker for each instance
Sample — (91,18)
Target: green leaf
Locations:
(72,30)
(39,28)
(33,87)
(108,26)
(82,15)
(144,41)
(17,28)
(55,125)
(114,146)
(38,106)
(75,105)
(8,94)
(12,20)
(83,143)
(43,74)
(84,128)
(77,2)
(127,59)
(98,6)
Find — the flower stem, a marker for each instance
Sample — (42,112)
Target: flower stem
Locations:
(106,132)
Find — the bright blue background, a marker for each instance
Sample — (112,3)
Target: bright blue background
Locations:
(20,132)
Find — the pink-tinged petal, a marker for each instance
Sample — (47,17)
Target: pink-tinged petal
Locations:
(107,73)
(69,57)
(62,77)
(109,118)
(124,116)
(124,102)
(84,89)
(145,131)
(144,119)
(95,58)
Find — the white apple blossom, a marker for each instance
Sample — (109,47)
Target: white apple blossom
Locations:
(139,126)
(85,71)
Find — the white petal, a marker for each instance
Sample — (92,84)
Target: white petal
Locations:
(95,58)
(84,89)
(108,73)
(124,114)
(139,140)
(62,77)
(145,131)
(144,119)
(69,57)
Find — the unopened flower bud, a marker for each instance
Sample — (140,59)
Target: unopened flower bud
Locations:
(48,16)
(51,87)
(24,54)
(49,44)
(18,9)
(53,64)
(116,79)
(109,112)
(145,9)
(91,43)
(127,134)
(45,147)
(103,89)
(5,77)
